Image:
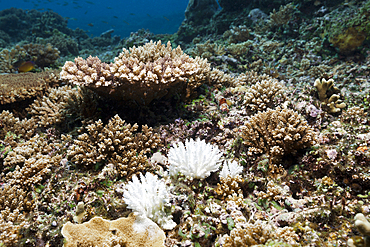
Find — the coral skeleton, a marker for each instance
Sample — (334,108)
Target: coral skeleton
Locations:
(231,169)
(149,197)
(194,159)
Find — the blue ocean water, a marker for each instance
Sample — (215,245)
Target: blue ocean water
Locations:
(96,16)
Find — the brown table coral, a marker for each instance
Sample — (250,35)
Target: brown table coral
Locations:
(141,74)
(19,87)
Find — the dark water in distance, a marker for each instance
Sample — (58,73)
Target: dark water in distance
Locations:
(97,16)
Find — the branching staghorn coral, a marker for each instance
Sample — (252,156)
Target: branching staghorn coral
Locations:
(327,95)
(282,16)
(237,34)
(141,73)
(114,143)
(206,50)
(277,133)
(220,78)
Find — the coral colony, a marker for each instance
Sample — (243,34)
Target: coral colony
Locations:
(249,126)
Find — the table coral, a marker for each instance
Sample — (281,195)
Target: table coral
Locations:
(141,73)
(18,87)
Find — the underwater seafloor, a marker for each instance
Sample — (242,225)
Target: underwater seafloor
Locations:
(270,98)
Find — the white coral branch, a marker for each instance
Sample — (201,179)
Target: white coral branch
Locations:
(148,198)
(195,159)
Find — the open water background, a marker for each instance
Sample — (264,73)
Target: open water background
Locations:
(97,16)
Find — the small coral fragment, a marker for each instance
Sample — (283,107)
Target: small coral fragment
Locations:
(333,102)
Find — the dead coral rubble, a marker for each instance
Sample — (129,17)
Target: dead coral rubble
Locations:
(141,73)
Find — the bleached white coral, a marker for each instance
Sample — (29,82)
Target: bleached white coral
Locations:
(195,159)
(148,198)
(231,169)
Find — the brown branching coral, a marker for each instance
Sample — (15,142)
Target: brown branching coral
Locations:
(264,94)
(328,95)
(49,110)
(114,143)
(260,232)
(141,74)
(42,55)
(251,78)
(277,133)
(19,87)
(220,78)
(282,16)
(208,49)
(32,162)
(237,34)
(12,129)
(59,103)
(229,187)
(9,57)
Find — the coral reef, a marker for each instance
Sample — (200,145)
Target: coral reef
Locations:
(74,153)
(141,74)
